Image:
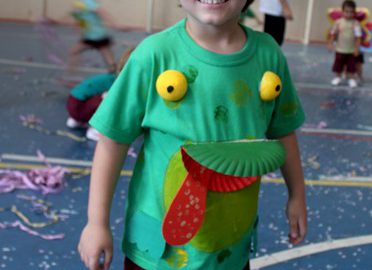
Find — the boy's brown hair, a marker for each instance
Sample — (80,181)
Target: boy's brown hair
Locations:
(349,3)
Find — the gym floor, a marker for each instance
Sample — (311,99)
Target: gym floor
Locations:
(336,147)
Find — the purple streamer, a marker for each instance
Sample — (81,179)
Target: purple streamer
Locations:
(18,224)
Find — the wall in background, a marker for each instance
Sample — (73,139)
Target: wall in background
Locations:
(23,10)
(134,13)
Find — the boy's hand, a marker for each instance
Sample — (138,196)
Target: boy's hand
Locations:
(96,240)
(330,46)
(296,214)
(356,51)
(287,13)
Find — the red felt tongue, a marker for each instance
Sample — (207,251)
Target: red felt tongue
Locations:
(186,213)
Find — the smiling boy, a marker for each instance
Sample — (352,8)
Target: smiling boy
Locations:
(197,84)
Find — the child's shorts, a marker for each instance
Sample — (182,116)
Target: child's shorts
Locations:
(97,44)
(129,265)
(82,110)
(342,60)
(360,58)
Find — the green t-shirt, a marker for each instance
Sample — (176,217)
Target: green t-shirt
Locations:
(91,24)
(94,85)
(222,103)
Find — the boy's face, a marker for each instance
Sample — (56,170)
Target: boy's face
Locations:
(348,13)
(213,12)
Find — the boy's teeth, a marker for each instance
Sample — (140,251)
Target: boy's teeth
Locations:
(212,1)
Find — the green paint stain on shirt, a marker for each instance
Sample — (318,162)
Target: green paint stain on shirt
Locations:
(241,93)
(289,108)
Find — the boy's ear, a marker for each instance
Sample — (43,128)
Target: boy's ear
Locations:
(249,2)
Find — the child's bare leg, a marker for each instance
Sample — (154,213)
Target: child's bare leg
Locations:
(359,71)
(351,75)
(109,58)
(74,55)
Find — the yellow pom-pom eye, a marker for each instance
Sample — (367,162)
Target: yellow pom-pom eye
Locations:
(171,85)
(270,87)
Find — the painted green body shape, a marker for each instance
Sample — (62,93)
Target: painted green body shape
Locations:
(238,209)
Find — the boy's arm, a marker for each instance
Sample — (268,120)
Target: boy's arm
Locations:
(107,164)
(330,43)
(358,38)
(293,176)
(332,35)
(96,239)
(287,11)
(107,18)
(358,42)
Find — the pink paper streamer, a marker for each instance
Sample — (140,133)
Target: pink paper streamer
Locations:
(55,59)
(46,180)
(52,42)
(30,119)
(18,224)
(49,180)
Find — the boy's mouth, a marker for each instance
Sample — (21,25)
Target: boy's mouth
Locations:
(213,2)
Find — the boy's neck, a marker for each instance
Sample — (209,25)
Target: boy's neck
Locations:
(226,39)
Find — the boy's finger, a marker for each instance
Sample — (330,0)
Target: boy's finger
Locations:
(93,263)
(86,261)
(293,228)
(302,224)
(108,259)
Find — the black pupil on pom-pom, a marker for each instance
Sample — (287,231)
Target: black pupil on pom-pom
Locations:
(170,89)
(277,88)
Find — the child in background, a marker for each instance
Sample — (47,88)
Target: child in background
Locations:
(196,82)
(94,34)
(347,33)
(276,12)
(85,98)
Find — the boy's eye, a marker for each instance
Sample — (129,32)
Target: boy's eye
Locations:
(171,85)
(270,87)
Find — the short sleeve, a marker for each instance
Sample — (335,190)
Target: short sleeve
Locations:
(357,30)
(120,114)
(288,114)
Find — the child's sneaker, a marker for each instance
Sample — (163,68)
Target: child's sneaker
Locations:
(336,81)
(72,123)
(92,134)
(352,83)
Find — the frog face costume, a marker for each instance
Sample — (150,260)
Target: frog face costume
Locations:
(218,167)
(225,171)
(205,117)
